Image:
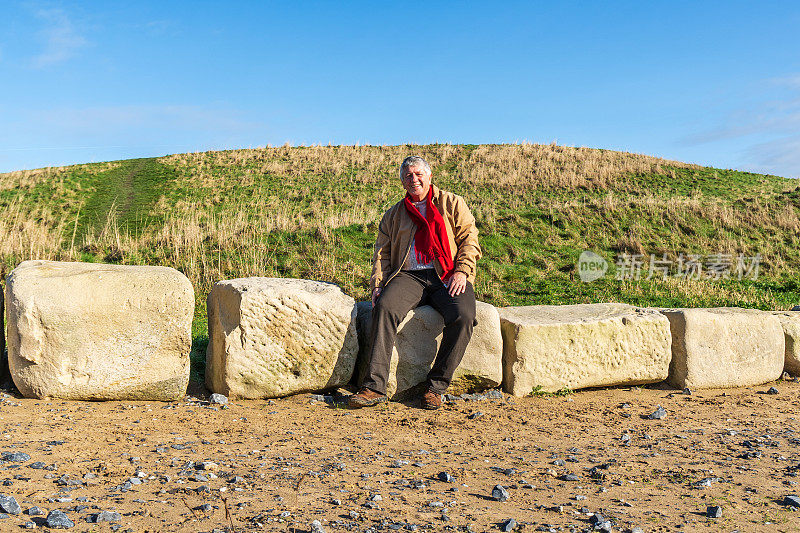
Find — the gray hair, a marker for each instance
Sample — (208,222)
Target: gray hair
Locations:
(413,161)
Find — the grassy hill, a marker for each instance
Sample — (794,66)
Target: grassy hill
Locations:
(312,212)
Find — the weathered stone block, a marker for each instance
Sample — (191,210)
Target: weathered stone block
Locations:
(3,355)
(418,338)
(271,337)
(586,345)
(724,347)
(790,321)
(90,331)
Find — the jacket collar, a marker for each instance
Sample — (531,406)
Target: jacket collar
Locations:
(434,192)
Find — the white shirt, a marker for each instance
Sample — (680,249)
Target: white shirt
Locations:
(411,260)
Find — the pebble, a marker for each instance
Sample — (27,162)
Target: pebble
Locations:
(772,390)
(596,518)
(476,414)
(473,397)
(57,519)
(15,457)
(34,511)
(792,500)
(37,465)
(500,494)
(606,527)
(570,477)
(508,525)
(659,414)
(714,511)
(218,399)
(316,527)
(8,504)
(446,477)
(107,516)
(751,455)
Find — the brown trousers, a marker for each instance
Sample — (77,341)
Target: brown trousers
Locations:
(407,290)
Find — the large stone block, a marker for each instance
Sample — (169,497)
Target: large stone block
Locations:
(271,337)
(418,338)
(790,321)
(3,356)
(586,345)
(724,347)
(99,332)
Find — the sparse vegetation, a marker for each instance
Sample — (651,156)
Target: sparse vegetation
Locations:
(537,392)
(312,212)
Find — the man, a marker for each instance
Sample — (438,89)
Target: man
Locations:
(425,253)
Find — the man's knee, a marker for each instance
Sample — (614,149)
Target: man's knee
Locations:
(462,318)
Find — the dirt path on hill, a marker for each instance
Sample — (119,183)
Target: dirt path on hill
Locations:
(124,194)
(279,465)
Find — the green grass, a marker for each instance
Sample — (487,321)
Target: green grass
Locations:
(537,392)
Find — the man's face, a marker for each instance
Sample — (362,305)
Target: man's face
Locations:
(417,182)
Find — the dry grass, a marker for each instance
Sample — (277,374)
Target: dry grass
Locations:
(513,166)
(30,234)
(526,166)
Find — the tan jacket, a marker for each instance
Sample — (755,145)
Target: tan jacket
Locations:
(396,236)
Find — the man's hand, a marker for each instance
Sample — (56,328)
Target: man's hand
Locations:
(458,284)
(375,294)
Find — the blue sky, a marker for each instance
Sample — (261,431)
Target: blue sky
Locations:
(715,83)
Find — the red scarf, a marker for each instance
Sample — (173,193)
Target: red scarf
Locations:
(430,240)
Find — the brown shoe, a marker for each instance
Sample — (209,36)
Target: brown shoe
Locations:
(431,400)
(365,398)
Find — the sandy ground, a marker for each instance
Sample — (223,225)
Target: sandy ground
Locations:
(281,464)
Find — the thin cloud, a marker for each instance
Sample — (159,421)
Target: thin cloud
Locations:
(775,110)
(54,136)
(791,81)
(780,156)
(744,123)
(61,41)
(769,124)
(155,118)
